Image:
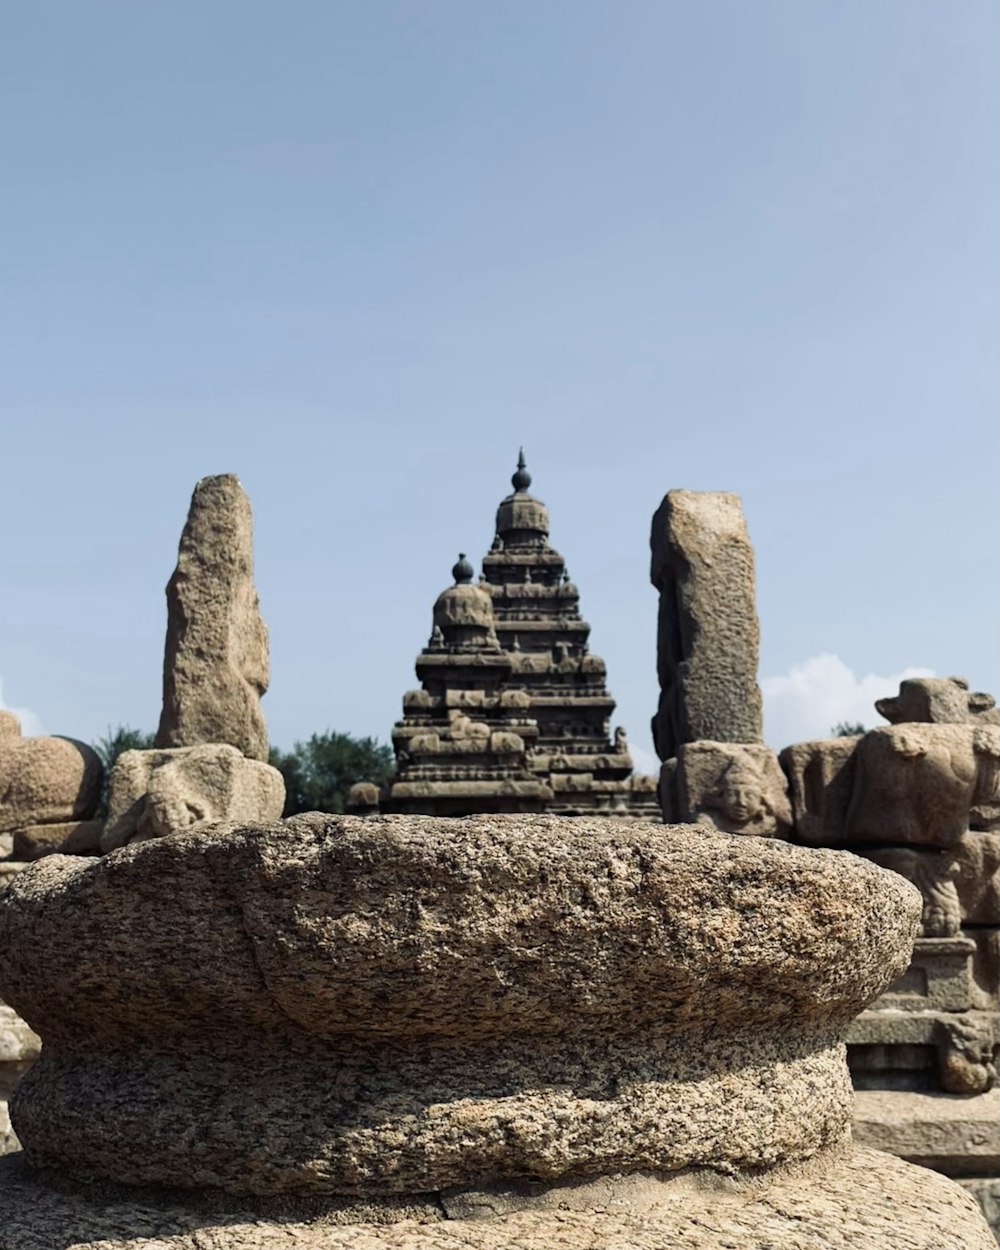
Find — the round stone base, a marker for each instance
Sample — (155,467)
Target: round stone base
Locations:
(840,1200)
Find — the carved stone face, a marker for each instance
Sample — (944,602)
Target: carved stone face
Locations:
(740,794)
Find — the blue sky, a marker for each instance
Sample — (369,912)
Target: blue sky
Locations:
(358,252)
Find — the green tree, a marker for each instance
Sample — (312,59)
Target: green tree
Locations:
(844,729)
(319,773)
(124,738)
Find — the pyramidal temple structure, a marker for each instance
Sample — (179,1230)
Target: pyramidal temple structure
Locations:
(513,713)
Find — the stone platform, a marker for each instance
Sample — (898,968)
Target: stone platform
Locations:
(959,1137)
(840,1200)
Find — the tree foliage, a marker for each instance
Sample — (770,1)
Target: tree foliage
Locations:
(319,773)
(844,729)
(124,738)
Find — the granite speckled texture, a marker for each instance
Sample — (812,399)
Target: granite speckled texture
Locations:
(841,1200)
(389,1005)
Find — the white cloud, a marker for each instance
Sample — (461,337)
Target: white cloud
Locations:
(644,761)
(31,726)
(820,693)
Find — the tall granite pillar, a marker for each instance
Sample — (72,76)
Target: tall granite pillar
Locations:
(708,636)
(215,665)
(210,758)
(708,729)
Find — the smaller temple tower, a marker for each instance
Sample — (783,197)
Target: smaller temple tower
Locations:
(464,740)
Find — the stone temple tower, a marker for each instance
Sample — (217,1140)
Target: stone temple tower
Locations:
(463,743)
(508,659)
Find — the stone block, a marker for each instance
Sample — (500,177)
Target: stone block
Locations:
(18,1043)
(939,977)
(821,782)
(963,1043)
(363,799)
(156,793)
(80,837)
(956,1136)
(985,967)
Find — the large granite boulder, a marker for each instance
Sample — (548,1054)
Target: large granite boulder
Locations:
(489,1032)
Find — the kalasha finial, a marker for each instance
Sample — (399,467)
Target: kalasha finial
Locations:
(522,478)
(462,572)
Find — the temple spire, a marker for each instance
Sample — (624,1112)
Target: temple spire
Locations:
(522,478)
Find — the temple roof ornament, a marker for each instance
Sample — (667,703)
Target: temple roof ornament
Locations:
(463,571)
(464,613)
(522,478)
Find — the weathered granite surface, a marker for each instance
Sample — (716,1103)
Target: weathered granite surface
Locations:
(708,635)
(839,1200)
(215,665)
(44,780)
(156,793)
(397,1005)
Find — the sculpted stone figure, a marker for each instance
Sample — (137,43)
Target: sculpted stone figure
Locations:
(215,665)
(977,879)
(961,885)
(917,784)
(45,781)
(156,793)
(730,787)
(939,701)
(934,874)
